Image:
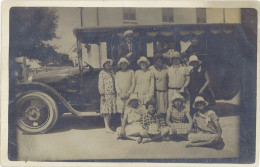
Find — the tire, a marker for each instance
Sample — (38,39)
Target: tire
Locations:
(36,112)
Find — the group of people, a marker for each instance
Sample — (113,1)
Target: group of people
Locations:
(160,101)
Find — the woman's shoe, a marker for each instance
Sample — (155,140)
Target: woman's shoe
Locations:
(109,131)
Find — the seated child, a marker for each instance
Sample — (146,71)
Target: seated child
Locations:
(131,122)
(153,123)
(207,129)
(176,115)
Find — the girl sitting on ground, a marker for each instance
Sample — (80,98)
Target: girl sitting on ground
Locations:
(131,122)
(177,113)
(153,123)
(207,132)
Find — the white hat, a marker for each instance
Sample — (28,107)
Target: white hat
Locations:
(127,32)
(132,97)
(176,54)
(143,59)
(177,96)
(107,60)
(193,58)
(123,60)
(198,99)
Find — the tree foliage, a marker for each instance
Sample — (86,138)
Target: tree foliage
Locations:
(30,28)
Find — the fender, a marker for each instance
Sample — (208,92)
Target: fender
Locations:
(29,87)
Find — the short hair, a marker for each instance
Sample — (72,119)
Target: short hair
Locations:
(150,102)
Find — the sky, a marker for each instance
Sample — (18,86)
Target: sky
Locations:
(68,19)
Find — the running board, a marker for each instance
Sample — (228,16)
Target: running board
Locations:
(88,114)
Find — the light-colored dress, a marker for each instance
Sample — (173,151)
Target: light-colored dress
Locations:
(177,118)
(106,87)
(177,78)
(144,85)
(161,88)
(125,83)
(133,121)
(206,129)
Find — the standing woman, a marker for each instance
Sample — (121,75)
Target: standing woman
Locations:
(125,84)
(144,81)
(160,72)
(106,87)
(199,82)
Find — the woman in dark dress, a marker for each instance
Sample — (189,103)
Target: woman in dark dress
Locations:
(199,83)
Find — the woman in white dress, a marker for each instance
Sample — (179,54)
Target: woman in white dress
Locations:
(131,124)
(125,84)
(144,81)
(106,87)
(160,72)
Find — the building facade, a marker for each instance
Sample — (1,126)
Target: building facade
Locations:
(93,54)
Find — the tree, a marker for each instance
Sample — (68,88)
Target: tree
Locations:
(30,28)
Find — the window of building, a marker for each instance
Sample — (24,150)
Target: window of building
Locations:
(201,15)
(129,14)
(167,15)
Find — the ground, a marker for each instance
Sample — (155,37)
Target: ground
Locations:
(76,138)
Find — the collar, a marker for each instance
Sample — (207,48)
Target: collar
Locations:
(156,114)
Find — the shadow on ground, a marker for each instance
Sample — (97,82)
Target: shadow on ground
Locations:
(68,121)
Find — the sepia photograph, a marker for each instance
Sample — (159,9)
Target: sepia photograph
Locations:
(132,84)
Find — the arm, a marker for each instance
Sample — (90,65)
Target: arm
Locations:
(187,76)
(135,76)
(151,90)
(206,83)
(101,88)
(219,129)
(117,86)
(189,119)
(131,90)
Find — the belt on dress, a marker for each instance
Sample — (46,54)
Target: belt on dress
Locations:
(161,90)
(175,88)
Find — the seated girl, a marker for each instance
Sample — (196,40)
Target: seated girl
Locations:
(176,115)
(207,132)
(131,122)
(153,123)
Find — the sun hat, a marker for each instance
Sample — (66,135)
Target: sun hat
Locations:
(199,99)
(123,60)
(143,59)
(176,54)
(177,96)
(107,60)
(133,97)
(169,54)
(127,32)
(193,58)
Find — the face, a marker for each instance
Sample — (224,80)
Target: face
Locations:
(151,109)
(158,62)
(200,105)
(194,41)
(107,66)
(185,59)
(176,61)
(124,66)
(194,64)
(134,103)
(143,65)
(129,37)
(178,103)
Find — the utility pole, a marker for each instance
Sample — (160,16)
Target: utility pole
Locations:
(81,17)
(99,47)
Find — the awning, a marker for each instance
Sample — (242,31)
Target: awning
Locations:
(105,34)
